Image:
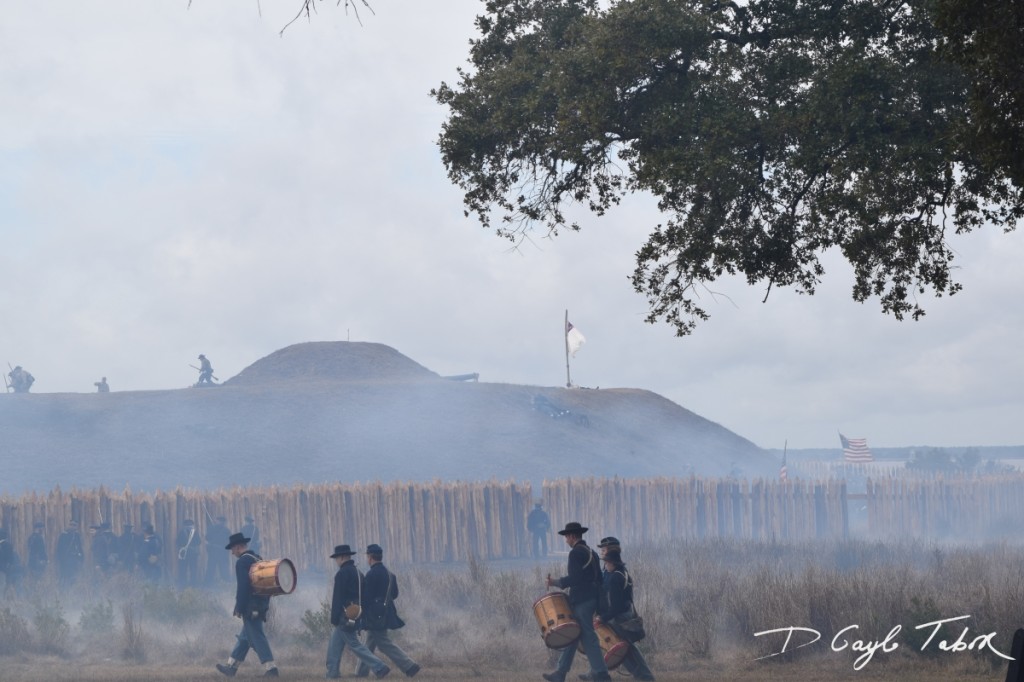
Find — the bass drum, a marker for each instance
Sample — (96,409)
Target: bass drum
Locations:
(613,647)
(558,627)
(273,578)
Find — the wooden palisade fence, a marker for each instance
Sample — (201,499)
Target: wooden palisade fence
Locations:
(450,521)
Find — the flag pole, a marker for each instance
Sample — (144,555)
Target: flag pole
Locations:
(785,467)
(565,337)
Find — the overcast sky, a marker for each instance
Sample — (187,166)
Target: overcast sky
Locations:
(176,181)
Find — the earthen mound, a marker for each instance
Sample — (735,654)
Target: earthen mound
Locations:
(332,361)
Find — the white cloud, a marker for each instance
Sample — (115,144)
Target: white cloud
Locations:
(179,181)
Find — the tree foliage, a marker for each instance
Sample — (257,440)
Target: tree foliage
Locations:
(769,132)
(986,38)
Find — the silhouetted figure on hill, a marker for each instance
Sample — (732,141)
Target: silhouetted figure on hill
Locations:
(205,372)
(102,386)
(20,380)
(69,554)
(538,523)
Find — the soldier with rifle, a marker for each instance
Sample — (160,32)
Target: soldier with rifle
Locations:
(20,380)
(206,377)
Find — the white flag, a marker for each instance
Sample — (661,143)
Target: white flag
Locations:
(573,338)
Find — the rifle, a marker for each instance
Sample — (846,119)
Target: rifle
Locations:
(207,512)
(201,369)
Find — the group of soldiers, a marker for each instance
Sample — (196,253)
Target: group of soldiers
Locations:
(359,603)
(599,588)
(20,380)
(129,552)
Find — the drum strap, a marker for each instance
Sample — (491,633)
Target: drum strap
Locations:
(359,590)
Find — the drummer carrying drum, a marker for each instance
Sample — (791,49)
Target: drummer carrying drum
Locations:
(583,583)
(251,608)
(617,603)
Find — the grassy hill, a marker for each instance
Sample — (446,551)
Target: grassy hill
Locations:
(346,411)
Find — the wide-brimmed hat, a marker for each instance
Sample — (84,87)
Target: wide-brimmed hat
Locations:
(342,550)
(609,542)
(237,539)
(573,528)
(374,549)
(39,524)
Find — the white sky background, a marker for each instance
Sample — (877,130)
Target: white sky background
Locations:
(176,181)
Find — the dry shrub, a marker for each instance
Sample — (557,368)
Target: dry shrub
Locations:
(702,602)
(133,646)
(14,633)
(316,626)
(52,629)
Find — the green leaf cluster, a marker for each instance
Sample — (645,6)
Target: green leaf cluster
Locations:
(769,132)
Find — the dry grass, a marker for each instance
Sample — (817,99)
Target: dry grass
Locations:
(60,671)
(703,603)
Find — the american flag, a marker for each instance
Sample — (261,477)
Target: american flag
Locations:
(855,450)
(783,473)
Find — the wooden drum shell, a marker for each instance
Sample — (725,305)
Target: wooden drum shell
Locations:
(558,627)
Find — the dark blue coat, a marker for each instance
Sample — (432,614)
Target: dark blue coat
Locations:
(584,579)
(381,586)
(616,594)
(248,604)
(347,588)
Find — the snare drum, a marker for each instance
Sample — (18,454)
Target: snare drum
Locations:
(558,627)
(272,578)
(613,647)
